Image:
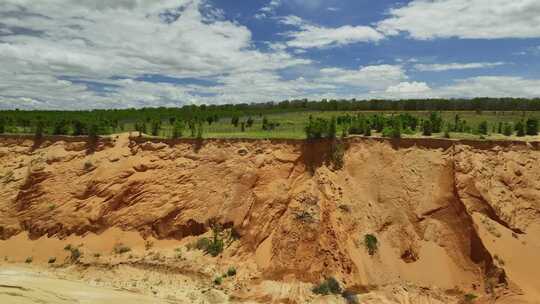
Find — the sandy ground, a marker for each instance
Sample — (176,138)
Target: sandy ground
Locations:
(450,221)
(24,285)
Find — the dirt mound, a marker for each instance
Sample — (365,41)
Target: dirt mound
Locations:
(446,221)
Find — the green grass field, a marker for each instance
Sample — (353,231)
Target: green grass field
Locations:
(292,125)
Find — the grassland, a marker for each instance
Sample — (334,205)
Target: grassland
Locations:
(292,125)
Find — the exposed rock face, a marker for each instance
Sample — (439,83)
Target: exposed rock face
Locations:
(440,215)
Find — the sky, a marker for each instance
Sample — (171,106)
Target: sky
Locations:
(90,54)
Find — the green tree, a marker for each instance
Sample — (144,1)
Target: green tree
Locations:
(427,130)
(332,128)
(39,130)
(156,126)
(60,127)
(78,128)
(235,120)
(532,126)
(483,128)
(2,126)
(178,129)
(93,133)
(520,129)
(508,130)
(200,130)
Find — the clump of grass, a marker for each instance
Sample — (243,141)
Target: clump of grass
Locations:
(29,260)
(75,253)
(328,286)
(469,298)
(52,260)
(97,255)
(212,246)
(371,243)
(121,248)
(231,272)
(52,207)
(218,281)
(88,165)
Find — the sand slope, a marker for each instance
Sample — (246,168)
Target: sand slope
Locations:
(449,221)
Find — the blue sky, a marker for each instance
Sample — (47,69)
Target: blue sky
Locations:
(64,54)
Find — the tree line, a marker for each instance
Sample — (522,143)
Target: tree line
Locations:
(395,125)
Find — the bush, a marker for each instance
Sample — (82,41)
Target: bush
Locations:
(218,280)
(469,298)
(52,260)
(121,248)
(328,286)
(350,297)
(231,272)
(29,260)
(371,243)
(75,253)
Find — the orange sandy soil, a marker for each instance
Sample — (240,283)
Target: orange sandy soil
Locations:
(449,221)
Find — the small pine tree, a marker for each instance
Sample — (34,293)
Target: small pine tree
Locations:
(483,128)
(93,132)
(39,131)
(178,130)
(332,128)
(532,126)
(520,129)
(367,131)
(508,130)
(78,128)
(426,128)
(200,130)
(156,126)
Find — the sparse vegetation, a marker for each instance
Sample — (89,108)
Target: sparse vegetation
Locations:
(121,248)
(52,260)
(469,298)
(218,281)
(29,260)
(75,253)
(231,272)
(328,286)
(371,243)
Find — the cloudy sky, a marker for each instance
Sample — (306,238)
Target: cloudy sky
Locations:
(80,54)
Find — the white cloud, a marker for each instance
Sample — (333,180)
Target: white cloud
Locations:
(492,86)
(474,19)
(369,77)
(408,88)
(103,40)
(268,9)
(437,67)
(315,36)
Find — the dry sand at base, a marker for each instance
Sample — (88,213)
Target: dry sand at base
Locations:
(450,220)
(21,286)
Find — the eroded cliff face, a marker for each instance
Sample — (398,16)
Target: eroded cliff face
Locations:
(458,219)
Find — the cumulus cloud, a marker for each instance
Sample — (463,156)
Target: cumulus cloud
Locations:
(474,19)
(369,77)
(437,67)
(316,36)
(408,88)
(44,46)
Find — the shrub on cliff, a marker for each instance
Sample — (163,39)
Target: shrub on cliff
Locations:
(371,243)
(328,286)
